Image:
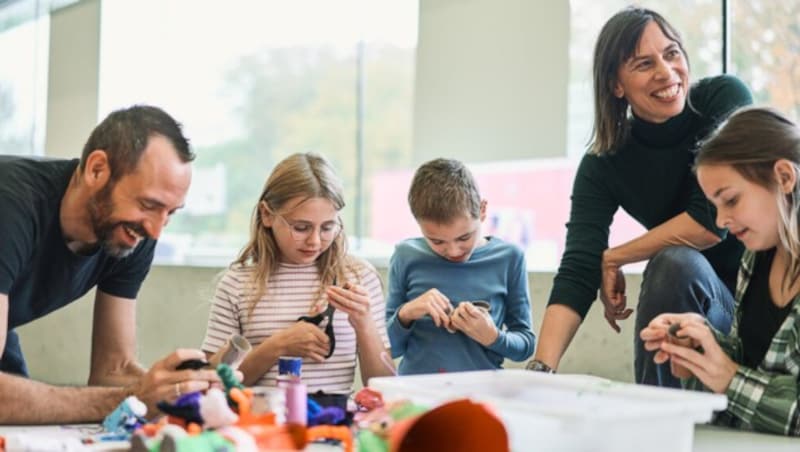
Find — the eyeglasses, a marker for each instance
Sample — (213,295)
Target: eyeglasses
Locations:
(302,230)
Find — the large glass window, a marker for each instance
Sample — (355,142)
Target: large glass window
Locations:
(24,34)
(256,81)
(765,51)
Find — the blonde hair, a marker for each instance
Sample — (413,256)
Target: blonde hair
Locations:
(751,141)
(308,175)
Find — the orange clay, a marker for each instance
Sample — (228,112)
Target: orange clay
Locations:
(338,432)
(151,430)
(194,429)
(277,437)
(244,400)
(267,435)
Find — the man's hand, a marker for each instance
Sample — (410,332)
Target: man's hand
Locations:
(163,382)
(612,292)
(432,303)
(475,323)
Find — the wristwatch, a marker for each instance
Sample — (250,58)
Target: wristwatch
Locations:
(538,366)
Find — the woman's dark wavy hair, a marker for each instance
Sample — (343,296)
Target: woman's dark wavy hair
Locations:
(751,141)
(615,45)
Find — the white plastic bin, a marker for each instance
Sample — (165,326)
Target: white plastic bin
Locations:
(545,412)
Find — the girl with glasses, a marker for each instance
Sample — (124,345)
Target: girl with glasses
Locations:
(294,290)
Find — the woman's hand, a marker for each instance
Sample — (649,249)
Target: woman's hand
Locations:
(612,291)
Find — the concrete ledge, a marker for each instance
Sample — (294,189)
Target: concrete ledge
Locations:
(173,310)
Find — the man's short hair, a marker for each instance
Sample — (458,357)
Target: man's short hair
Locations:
(444,190)
(124,135)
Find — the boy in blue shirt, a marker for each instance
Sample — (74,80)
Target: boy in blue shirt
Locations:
(432,279)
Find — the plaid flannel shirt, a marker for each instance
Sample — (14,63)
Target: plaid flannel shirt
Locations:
(766,398)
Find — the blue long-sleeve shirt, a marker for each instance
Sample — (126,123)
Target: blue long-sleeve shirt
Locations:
(495,273)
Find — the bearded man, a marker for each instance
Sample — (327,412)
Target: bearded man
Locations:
(68,226)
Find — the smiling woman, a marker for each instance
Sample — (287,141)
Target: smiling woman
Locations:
(647,121)
(655,78)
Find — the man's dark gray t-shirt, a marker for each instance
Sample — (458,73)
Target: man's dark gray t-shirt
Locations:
(38,272)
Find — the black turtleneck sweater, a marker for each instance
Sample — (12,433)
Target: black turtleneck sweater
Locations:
(650,177)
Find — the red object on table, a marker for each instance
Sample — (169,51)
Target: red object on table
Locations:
(458,426)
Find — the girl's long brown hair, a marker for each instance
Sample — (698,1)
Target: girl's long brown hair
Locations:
(308,175)
(751,141)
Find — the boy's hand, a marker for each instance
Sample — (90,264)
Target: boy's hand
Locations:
(432,303)
(475,323)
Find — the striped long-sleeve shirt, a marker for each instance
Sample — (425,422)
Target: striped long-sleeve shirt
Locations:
(291,292)
(766,398)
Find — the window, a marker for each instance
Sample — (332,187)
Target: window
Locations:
(765,53)
(529,200)
(254,82)
(24,34)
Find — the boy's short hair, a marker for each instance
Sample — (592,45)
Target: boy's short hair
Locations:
(444,190)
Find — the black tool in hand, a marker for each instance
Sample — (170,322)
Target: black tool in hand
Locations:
(673,331)
(193,364)
(325,317)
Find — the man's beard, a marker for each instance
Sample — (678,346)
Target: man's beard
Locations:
(100,209)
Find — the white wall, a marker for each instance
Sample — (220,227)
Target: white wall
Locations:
(491,79)
(73,78)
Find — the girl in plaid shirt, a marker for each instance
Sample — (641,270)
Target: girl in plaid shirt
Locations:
(749,170)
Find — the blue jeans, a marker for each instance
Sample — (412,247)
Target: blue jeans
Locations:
(678,279)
